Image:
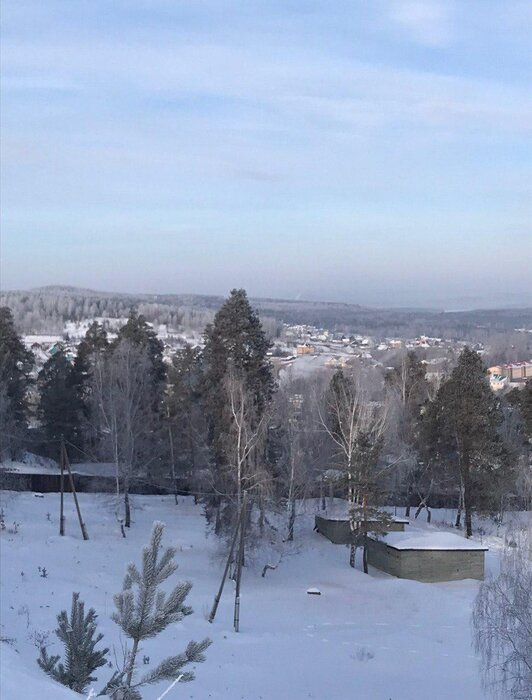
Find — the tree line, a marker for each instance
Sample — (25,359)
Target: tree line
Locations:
(218,419)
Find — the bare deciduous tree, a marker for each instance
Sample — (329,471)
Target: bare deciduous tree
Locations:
(295,426)
(502,622)
(247,430)
(356,426)
(123,406)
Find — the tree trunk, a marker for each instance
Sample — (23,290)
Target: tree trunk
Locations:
(408,497)
(467,505)
(218,518)
(291,519)
(352,553)
(365,553)
(460,505)
(322,496)
(468,521)
(127,507)
(261,515)
(131,666)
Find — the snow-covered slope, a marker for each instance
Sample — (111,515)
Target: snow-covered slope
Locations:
(370,637)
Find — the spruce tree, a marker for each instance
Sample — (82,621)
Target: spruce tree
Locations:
(15,366)
(461,428)
(61,404)
(79,638)
(143,611)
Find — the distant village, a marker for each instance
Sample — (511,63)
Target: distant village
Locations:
(303,349)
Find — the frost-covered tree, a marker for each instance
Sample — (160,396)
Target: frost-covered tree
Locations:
(502,623)
(144,610)
(356,428)
(78,635)
(122,406)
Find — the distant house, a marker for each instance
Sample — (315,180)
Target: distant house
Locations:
(337,362)
(498,382)
(305,349)
(513,374)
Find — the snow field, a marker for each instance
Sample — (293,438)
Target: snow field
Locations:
(371,637)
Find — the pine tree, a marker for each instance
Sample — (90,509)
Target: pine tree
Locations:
(235,357)
(461,427)
(61,405)
(138,332)
(235,342)
(94,344)
(78,635)
(15,365)
(143,611)
(95,341)
(522,400)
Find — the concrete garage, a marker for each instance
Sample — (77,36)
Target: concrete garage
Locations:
(427,556)
(337,530)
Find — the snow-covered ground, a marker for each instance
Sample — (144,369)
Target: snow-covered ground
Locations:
(371,637)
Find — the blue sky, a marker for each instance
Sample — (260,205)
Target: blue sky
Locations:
(366,151)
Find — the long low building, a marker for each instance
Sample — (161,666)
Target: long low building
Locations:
(427,556)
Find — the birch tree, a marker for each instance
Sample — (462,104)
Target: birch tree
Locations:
(502,622)
(356,426)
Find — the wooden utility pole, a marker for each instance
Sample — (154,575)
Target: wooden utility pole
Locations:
(73,488)
(62,486)
(240,560)
(227,564)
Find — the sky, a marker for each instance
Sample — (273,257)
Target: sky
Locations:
(367,151)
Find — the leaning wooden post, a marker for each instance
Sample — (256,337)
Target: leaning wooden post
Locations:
(227,565)
(81,523)
(240,559)
(62,486)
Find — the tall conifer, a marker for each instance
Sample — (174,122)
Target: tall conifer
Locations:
(461,428)
(15,366)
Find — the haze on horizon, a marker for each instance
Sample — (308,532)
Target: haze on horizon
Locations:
(375,153)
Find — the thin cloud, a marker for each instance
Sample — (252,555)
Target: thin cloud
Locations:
(423,21)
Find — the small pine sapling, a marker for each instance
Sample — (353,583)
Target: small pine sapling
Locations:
(144,613)
(78,635)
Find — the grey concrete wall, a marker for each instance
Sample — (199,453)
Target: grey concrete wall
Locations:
(426,565)
(339,532)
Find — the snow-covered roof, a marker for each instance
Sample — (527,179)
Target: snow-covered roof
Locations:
(430,540)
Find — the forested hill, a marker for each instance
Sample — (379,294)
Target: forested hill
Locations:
(46,309)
